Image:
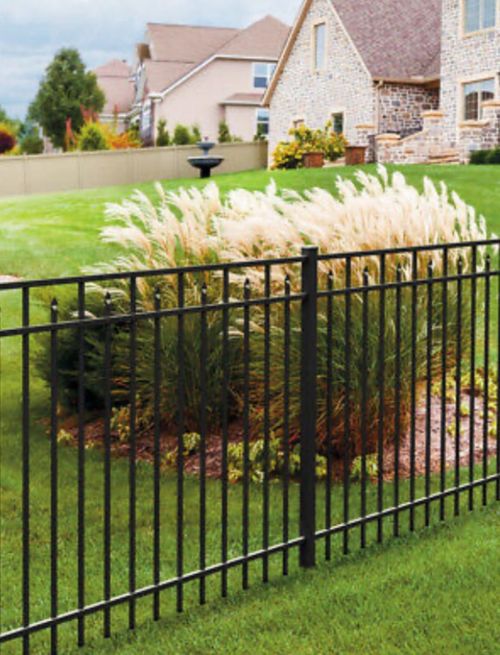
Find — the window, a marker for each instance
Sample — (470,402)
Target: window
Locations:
(319,46)
(479,14)
(262,74)
(475,94)
(338,122)
(262,122)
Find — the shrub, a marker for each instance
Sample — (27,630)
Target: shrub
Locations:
(32,144)
(493,156)
(93,136)
(192,227)
(125,141)
(290,154)
(7,138)
(163,135)
(182,136)
(224,133)
(196,134)
(479,157)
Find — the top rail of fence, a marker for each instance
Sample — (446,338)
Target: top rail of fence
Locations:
(225,266)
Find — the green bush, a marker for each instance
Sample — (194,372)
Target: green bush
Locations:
(225,135)
(163,136)
(481,157)
(196,134)
(493,156)
(182,136)
(290,154)
(92,138)
(32,144)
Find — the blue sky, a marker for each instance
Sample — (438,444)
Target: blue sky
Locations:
(33,30)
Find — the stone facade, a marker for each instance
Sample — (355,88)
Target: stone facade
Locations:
(400,107)
(481,135)
(345,84)
(464,57)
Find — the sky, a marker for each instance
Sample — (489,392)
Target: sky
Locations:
(31,32)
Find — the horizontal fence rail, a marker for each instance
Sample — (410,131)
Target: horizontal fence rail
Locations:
(172,436)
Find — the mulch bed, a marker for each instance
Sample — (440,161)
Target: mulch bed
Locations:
(94,436)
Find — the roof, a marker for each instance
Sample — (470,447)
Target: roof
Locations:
(251,99)
(178,50)
(394,43)
(114,79)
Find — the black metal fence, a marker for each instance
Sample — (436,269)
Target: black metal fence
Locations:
(369,381)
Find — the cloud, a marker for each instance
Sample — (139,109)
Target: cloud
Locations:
(32,31)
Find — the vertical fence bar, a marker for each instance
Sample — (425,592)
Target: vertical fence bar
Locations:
(347,403)
(458,386)
(364,402)
(308,406)
(397,416)
(180,440)
(267,425)
(498,384)
(413,385)
(26,467)
(428,403)
(133,449)
(381,400)
(54,465)
(486,378)
(81,465)
(203,445)
(444,363)
(246,432)
(225,430)
(107,464)
(157,456)
(472,404)
(329,415)
(286,425)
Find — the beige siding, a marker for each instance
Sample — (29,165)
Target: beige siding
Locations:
(344,84)
(55,173)
(199,99)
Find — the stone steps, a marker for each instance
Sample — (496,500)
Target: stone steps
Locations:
(444,157)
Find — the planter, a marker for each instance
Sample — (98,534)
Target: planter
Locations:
(314,160)
(355,155)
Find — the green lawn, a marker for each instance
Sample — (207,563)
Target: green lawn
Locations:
(432,592)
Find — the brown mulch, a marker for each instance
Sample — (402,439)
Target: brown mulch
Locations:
(94,437)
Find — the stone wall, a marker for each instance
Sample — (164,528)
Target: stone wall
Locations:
(483,134)
(464,57)
(400,107)
(345,84)
(417,148)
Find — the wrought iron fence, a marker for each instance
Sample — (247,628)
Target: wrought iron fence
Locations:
(365,383)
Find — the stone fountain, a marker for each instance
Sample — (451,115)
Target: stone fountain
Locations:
(206,162)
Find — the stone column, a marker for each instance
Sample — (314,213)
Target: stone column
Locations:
(386,148)
(365,136)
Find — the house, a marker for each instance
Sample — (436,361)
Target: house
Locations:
(204,75)
(115,78)
(414,81)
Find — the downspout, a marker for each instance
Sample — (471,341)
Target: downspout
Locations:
(380,84)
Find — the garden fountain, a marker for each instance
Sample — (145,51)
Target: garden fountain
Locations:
(205,162)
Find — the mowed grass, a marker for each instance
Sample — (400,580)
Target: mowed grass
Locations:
(430,592)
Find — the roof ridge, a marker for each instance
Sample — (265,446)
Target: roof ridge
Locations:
(201,27)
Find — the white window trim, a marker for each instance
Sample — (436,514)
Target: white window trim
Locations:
(269,64)
(464,34)
(471,80)
(316,23)
(258,122)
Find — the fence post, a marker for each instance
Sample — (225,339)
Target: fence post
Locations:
(308,406)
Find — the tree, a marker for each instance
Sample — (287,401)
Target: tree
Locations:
(163,136)
(92,138)
(65,89)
